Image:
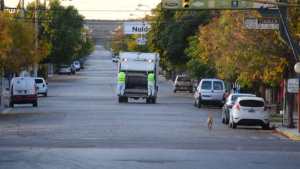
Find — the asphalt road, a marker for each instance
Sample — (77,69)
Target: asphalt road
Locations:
(81,125)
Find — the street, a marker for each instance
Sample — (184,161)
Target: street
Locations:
(81,125)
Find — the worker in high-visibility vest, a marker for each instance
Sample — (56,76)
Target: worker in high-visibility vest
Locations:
(121,83)
(151,84)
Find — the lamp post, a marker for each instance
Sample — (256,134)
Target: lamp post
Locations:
(297,70)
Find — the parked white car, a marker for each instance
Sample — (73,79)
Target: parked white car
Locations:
(65,69)
(210,91)
(23,91)
(77,66)
(230,100)
(249,111)
(42,86)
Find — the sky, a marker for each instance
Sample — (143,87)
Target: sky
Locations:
(105,9)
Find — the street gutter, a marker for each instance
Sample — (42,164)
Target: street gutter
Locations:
(291,134)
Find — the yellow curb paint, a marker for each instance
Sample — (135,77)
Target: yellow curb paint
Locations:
(290,135)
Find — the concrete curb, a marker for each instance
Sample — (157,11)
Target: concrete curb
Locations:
(290,135)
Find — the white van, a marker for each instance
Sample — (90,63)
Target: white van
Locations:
(210,91)
(23,90)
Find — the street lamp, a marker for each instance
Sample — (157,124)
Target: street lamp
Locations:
(297,70)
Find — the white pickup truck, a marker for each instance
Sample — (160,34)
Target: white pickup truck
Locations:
(137,66)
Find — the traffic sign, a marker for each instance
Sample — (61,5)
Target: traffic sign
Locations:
(262,23)
(217,4)
(293,85)
(141,41)
(134,28)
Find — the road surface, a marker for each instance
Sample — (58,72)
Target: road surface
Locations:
(81,125)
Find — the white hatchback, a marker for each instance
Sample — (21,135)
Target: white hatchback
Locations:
(249,111)
(42,87)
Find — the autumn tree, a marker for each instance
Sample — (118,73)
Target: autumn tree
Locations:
(5,39)
(241,54)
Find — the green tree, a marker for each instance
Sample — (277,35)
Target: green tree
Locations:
(169,35)
(64,31)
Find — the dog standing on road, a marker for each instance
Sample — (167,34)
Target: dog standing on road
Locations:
(210,121)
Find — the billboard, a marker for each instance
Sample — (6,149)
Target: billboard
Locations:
(218,4)
(136,28)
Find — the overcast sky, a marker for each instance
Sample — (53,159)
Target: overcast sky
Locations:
(91,9)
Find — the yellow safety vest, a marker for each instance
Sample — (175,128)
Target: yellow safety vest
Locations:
(151,78)
(121,78)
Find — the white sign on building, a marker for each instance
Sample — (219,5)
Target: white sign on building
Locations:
(293,85)
(262,23)
(136,28)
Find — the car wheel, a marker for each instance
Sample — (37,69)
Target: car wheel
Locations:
(46,94)
(174,91)
(35,104)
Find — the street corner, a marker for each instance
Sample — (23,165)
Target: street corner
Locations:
(291,134)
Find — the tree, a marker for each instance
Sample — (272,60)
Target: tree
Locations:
(169,35)
(241,54)
(5,39)
(196,67)
(64,31)
(22,53)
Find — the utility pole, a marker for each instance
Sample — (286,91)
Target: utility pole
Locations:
(287,36)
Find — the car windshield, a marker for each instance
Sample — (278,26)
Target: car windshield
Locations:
(251,103)
(235,97)
(206,85)
(39,81)
(184,79)
(218,85)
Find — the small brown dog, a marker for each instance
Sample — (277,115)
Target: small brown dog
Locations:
(210,121)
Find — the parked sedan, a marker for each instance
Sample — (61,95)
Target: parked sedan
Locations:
(42,87)
(229,103)
(249,111)
(65,69)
